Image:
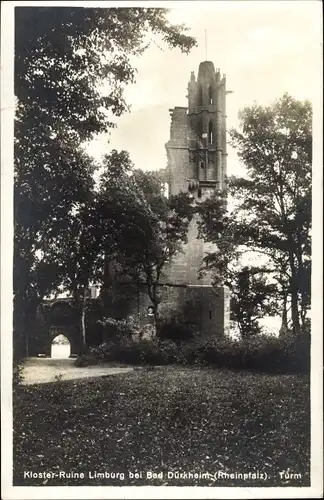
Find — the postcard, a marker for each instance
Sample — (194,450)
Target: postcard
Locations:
(161,285)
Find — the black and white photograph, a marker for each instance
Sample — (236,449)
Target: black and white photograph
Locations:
(161,279)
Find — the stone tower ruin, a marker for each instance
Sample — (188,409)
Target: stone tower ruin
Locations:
(197,156)
(197,162)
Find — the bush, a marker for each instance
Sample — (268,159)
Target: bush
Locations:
(261,353)
(143,352)
(121,328)
(170,353)
(17,377)
(85,360)
(177,331)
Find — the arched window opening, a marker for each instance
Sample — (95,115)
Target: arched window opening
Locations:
(61,347)
(202,165)
(210,133)
(166,189)
(210,95)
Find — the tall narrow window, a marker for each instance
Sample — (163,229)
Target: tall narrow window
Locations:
(210,95)
(202,165)
(210,133)
(199,193)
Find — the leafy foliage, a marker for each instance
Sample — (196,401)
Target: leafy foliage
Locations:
(17,377)
(62,55)
(80,256)
(272,213)
(61,340)
(250,299)
(177,330)
(145,228)
(122,328)
(63,59)
(264,354)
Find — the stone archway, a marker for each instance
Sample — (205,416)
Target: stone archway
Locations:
(72,335)
(60,316)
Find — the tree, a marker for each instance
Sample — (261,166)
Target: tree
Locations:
(272,214)
(62,57)
(252,299)
(170,221)
(43,214)
(147,228)
(79,255)
(252,295)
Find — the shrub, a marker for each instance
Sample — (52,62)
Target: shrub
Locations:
(85,360)
(17,377)
(177,331)
(260,353)
(170,352)
(121,328)
(143,352)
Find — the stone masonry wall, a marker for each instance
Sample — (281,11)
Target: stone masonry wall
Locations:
(202,306)
(184,268)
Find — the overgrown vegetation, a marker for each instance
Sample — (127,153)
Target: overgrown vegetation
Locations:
(68,238)
(121,328)
(142,228)
(168,419)
(17,376)
(71,68)
(264,354)
(269,223)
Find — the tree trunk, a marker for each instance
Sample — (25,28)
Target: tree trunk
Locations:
(19,329)
(24,318)
(294,310)
(294,296)
(152,293)
(302,282)
(284,318)
(108,283)
(304,307)
(82,321)
(157,319)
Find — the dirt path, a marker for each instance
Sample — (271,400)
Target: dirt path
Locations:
(43,370)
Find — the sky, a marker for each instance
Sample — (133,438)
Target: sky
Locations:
(265,48)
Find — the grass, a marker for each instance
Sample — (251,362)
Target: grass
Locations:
(167,419)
